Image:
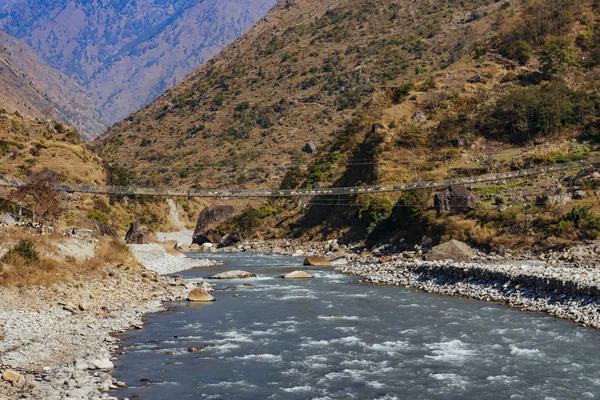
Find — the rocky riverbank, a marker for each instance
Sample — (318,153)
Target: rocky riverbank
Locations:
(568,292)
(59,340)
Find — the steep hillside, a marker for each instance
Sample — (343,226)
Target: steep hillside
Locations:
(30,86)
(126,53)
(298,75)
(389,92)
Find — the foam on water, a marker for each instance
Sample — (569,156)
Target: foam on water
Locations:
(260,357)
(453,351)
(514,350)
(298,389)
(452,380)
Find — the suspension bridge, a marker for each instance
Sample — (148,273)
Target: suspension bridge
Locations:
(332,191)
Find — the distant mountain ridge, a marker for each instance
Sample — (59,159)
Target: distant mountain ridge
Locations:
(124,52)
(28,85)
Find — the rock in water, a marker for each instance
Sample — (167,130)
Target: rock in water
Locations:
(200,295)
(233,275)
(139,234)
(297,275)
(11,376)
(451,250)
(104,364)
(455,198)
(229,240)
(317,262)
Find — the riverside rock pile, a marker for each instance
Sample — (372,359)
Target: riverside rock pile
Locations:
(566,292)
(59,340)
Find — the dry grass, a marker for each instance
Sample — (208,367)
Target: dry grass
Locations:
(15,270)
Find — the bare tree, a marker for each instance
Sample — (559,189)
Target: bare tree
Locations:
(39,197)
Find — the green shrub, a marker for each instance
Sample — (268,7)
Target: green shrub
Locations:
(582,218)
(24,249)
(520,51)
(375,210)
(98,216)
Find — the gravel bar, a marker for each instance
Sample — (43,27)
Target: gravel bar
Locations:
(566,292)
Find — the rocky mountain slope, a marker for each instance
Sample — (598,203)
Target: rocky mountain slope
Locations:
(28,85)
(126,53)
(389,92)
(300,74)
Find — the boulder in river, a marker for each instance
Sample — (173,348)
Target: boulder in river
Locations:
(297,275)
(200,295)
(139,234)
(317,262)
(237,274)
(452,250)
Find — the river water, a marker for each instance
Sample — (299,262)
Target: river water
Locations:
(329,338)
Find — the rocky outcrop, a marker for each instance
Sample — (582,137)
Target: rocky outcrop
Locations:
(452,250)
(419,117)
(236,274)
(317,262)
(231,239)
(200,295)
(309,148)
(7,219)
(139,234)
(455,198)
(208,216)
(297,275)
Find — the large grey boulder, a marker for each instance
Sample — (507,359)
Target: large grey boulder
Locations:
(208,216)
(452,250)
(229,240)
(139,234)
(7,219)
(455,198)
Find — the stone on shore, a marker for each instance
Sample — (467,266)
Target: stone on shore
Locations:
(343,260)
(139,234)
(452,250)
(104,364)
(385,259)
(209,216)
(297,275)
(200,295)
(229,240)
(11,376)
(237,274)
(317,262)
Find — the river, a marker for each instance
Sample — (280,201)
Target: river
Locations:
(330,338)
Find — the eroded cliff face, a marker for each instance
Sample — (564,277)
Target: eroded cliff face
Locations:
(126,53)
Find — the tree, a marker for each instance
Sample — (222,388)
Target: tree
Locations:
(520,51)
(558,54)
(39,197)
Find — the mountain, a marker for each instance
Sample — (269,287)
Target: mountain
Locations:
(125,53)
(388,92)
(28,85)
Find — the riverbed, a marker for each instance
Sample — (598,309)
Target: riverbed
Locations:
(332,338)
